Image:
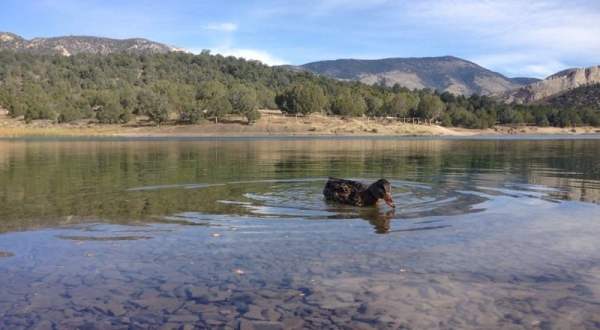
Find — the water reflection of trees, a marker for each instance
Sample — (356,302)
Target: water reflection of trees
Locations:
(48,183)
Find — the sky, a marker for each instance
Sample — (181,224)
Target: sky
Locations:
(533,38)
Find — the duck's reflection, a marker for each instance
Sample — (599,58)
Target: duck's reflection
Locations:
(379,220)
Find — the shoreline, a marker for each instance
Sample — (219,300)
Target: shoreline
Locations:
(277,127)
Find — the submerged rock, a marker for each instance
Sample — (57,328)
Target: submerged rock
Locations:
(183,318)
(254,312)
(5,254)
(260,325)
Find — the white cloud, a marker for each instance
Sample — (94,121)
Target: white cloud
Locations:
(536,36)
(545,34)
(521,64)
(542,69)
(515,37)
(222,27)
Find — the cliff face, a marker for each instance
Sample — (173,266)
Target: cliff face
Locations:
(554,85)
(72,45)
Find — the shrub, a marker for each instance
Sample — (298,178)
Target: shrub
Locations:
(302,98)
(348,103)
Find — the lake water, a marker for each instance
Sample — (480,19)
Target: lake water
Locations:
(236,234)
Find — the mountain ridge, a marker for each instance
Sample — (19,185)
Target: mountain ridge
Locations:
(73,44)
(443,73)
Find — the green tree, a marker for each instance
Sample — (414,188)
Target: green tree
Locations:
(243,101)
(348,103)
(252,116)
(74,108)
(108,108)
(446,120)
(590,116)
(374,105)
(509,115)
(192,113)
(265,97)
(110,112)
(155,106)
(302,98)
(461,117)
(213,100)
(217,108)
(430,107)
(38,104)
(195,87)
(401,104)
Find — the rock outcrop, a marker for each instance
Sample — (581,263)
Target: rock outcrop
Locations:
(553,85)
(71,45)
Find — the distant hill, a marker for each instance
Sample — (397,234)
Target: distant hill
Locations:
(71,45)
(525,81)
(555,84)
(446,73)
(587,96)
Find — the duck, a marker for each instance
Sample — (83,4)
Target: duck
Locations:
(358,194)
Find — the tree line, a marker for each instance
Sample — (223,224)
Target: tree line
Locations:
(190,88)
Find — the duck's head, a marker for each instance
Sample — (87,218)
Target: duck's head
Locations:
(382,190)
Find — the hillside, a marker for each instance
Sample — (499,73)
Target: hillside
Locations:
(581,97)
(555,84)
(447,73)
(525,80)
(183,88)
(72,45)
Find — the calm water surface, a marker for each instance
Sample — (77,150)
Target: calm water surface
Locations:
(236,234)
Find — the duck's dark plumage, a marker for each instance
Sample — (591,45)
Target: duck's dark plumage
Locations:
(356,193)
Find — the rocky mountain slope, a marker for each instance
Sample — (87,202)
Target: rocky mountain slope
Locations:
(71,45)
(554,85)
(587,96)
(446,73)
(525,80)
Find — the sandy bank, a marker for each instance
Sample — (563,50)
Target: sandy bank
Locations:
(267,126)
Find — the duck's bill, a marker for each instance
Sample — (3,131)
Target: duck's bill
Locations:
(389,201)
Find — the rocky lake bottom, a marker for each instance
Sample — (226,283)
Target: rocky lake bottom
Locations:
(236,235)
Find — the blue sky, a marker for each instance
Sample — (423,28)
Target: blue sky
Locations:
(514,37)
